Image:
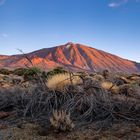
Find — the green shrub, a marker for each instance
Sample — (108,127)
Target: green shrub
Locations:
(44,74)
(55,71)
(5,71)
(20,71)
(27,73)
(31,73)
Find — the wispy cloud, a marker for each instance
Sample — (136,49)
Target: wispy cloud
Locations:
(117,3)
(3,35)
(113,4)
(2,2)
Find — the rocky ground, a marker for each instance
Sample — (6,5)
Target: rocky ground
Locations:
(30,131)
(121,88)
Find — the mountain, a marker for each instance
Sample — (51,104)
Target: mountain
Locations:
(72,56)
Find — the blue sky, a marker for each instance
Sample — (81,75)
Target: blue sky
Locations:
(109,25)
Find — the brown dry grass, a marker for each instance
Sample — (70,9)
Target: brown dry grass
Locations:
(61,81)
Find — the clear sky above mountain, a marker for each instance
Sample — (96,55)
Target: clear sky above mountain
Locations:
(109,25)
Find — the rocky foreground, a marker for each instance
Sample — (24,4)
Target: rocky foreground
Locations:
(95,106)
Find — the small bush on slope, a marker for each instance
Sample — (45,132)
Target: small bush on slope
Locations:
(57,70)
(31,73)
(20,71)
(28,73)
(5,71)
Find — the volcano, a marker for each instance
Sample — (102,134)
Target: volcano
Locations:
(71,56)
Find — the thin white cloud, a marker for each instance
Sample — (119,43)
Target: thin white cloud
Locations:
(113,4)
(117,3)
(3,35)
(2,2)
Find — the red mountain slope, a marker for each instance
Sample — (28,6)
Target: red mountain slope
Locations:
(72,56)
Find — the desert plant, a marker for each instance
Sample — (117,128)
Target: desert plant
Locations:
(5,71)
(99,77)
(61,122)
(27,73)
(61,81)
(86,101)
(57,70)
(20,71)
(31,73)
(44,75)
(106,74)
(92,74)
(107,85)
(131,90)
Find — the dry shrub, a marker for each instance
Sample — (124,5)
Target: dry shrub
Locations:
(99,77)
(128,81)
(107,85)
(60,121)
(131,90)
(11,99)
(4,114)
(106,74)
(90,103)
(110,87)
(61,81)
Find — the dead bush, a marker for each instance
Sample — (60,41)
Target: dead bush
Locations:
(60,121)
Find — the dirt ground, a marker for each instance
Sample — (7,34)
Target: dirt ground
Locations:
(29,131)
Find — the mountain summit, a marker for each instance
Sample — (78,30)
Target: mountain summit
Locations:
(72,56)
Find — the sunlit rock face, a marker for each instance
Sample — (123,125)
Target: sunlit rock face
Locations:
(72,56)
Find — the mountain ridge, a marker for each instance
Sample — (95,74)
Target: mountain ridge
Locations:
(72,56)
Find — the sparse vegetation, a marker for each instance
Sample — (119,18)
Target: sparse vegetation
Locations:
(20,71)
(61,122)
(106,74)
(57,70)
(60,104)
(28,73)
(61,81)
(31,73)
(5,71)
